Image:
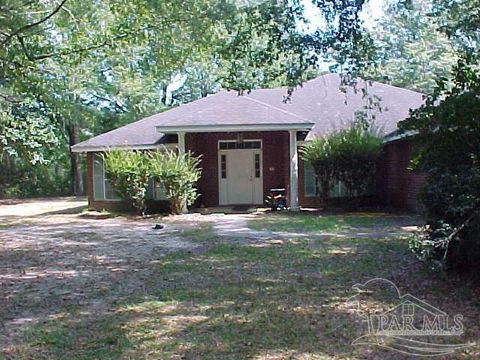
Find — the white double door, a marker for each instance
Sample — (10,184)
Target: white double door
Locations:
(240,176)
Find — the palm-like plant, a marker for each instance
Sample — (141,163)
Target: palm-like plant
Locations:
(179,174)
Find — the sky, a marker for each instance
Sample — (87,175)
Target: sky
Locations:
(372,11)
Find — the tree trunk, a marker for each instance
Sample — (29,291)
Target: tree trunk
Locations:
(75,164)
(204,90)
(164,94)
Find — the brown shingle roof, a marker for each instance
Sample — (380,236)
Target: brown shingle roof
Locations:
(319,101)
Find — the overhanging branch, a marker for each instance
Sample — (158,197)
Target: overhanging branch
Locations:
(36,23)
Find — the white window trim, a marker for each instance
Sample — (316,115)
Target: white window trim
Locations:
(98,157)
(155,184)
(234,141)
(104,178)
(306,193)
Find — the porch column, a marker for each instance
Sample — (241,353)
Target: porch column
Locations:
(181,151)
(293,171)
(181,142)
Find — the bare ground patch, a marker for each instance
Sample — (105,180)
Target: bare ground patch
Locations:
(51,260)
(204,287)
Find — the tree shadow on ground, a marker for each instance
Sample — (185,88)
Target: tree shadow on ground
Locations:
(232,301)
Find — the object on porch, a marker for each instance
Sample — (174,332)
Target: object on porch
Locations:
(277,200)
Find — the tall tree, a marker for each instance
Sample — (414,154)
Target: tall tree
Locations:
(77,68)
(411,51)
(448,128)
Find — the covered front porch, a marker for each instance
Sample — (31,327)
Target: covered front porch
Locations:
(240,166)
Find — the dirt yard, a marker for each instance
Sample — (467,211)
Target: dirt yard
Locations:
(202,287)
(50,255)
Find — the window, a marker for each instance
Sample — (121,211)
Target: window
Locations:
(257,165)
(312,187)
(408,309)
(223,166)
(156,191)
(98,184)
(233,145)
(310,179)
(102,187)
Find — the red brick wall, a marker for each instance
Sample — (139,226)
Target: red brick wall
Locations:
(275,160)
(396,185)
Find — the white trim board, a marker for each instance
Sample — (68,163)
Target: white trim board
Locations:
(123,147)
(233,127)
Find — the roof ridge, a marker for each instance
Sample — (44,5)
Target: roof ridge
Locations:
(393,86)
(276,108)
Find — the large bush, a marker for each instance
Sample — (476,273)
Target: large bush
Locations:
(320,154)
(348,155)
(356,150)
(448,131)
(179,174)
(129,172)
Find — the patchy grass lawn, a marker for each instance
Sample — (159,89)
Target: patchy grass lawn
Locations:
(272,298)
(315,222)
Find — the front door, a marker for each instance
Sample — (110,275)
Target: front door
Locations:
(240,174)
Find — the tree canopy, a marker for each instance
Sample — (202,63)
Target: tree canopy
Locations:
(410,51)
(448,131)
(70,70)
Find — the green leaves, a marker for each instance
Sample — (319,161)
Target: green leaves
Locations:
(411,52)
(24,132)
(348,155)
(102,64)
(130,171)
(448,137)
(179,174)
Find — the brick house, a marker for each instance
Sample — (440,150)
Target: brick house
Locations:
(249,143)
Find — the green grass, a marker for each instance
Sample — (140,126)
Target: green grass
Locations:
(232,302)
(302,222)
(200,233)
(265,300)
